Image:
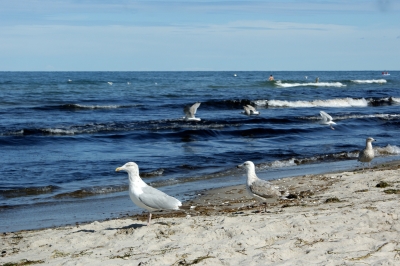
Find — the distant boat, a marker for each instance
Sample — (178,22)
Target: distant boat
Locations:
(385,73)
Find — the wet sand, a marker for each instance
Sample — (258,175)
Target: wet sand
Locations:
(347,218)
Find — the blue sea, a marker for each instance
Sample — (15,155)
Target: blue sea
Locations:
(63,134)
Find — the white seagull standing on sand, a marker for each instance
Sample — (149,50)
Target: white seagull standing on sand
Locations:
(190,111)
(250,110)
(327,119)
(145,196)
(260,189)
(366,155)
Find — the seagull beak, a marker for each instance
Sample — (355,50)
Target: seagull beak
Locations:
(239,166)
(118,169)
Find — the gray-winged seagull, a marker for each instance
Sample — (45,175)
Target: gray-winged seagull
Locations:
(145,196)
(260,189)
(250,110)
(190,111)
(327,119)
(366,155)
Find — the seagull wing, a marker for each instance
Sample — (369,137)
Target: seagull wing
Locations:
(190,111)
(251,108)
(158,200)
(325,117)
(246,109)
(264,189)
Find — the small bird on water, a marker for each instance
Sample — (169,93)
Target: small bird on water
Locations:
(366,155)
(145,196)
(260,189)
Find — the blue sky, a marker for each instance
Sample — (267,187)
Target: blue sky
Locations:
(89,35)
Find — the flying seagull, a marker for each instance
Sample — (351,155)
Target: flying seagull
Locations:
(190,111)
(250,110)
(145,196)
(366,155)
(327,119)
(260,189)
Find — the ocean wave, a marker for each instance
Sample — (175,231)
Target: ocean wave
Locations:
(93,191)
(235,103)
(370,81)
(388,150)
(79,106)
(350,155)
(93,107)
(290,162)
(313,84)
(341,102)
(396,100)
(29,191)
(356,116)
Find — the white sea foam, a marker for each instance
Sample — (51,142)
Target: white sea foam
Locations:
(57,131)
(342,102)
(314,84)
(277,164)
(356,116)
(388,150)
(382,116)
(370,81)
(285,163)
(397,100)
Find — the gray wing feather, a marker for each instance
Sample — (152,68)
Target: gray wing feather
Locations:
(158,200)
(251,108)
(246,110)
(264,189)
(325,116)
(190,111)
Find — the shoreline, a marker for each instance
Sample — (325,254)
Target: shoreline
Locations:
(337,217)
(118,205)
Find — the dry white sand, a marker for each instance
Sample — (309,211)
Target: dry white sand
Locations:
(360,226)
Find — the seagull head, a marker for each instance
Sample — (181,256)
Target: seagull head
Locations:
(129,167)
(248,165)
(370,140)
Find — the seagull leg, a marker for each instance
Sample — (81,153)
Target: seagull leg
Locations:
(149,219)
(332,128)
(265,207)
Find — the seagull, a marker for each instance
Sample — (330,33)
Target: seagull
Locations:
(190,111)
(145,196)
(260,189)
(366,155)
(110,83)
(327,119)
(250,110)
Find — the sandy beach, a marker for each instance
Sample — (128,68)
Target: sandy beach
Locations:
(346,218)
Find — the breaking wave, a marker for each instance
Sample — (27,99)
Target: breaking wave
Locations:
(369,81)
(313,84)
(343,102)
